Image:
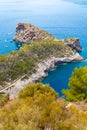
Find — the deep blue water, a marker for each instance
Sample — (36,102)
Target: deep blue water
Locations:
(62,18)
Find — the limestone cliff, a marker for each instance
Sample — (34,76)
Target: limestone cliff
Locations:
(29,33)
(73,43)
(41,72)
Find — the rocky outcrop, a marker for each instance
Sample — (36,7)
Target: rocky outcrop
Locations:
(29,33)
(73,43)
(41,72)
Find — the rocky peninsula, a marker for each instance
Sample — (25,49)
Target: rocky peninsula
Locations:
(41,72)
(29,33)
(33,61)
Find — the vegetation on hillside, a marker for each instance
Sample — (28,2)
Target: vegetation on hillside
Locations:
(25,60)
(38,108)
(3,99)
(78,85)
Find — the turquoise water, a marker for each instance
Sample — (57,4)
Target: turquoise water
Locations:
(62,18)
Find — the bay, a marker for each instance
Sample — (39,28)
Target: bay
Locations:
(62,18)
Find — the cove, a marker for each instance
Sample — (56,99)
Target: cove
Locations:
(61,18)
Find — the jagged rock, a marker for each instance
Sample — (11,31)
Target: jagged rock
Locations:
(73,43)
(29,33)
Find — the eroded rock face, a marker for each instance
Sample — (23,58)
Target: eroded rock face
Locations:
(41,72)
(73,43)
(29,33)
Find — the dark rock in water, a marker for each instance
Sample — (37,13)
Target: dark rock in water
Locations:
(29,33)
(73,43)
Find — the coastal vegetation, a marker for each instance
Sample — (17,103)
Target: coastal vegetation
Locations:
(39,108)
(78,85)
(25,60)
(3,99)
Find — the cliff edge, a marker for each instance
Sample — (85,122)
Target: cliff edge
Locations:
(73,43)
(29,33)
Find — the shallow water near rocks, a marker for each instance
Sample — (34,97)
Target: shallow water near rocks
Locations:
(61,18)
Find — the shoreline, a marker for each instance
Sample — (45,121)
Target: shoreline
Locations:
(42,70)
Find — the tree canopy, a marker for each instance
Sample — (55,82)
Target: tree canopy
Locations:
(77,85)
(39,108)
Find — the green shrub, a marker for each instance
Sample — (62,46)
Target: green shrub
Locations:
(78,85)
(35,89)
(3,99)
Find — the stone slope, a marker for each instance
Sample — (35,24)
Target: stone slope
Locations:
(73,43)
(29,33)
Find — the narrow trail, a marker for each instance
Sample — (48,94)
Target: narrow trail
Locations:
(11,85)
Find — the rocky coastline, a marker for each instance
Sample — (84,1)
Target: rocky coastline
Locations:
(41,72)
(29,33)
(73,43)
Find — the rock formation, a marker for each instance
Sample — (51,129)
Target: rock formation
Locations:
(73,43)
(29,33)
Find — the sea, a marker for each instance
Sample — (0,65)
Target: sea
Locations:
(62,18)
